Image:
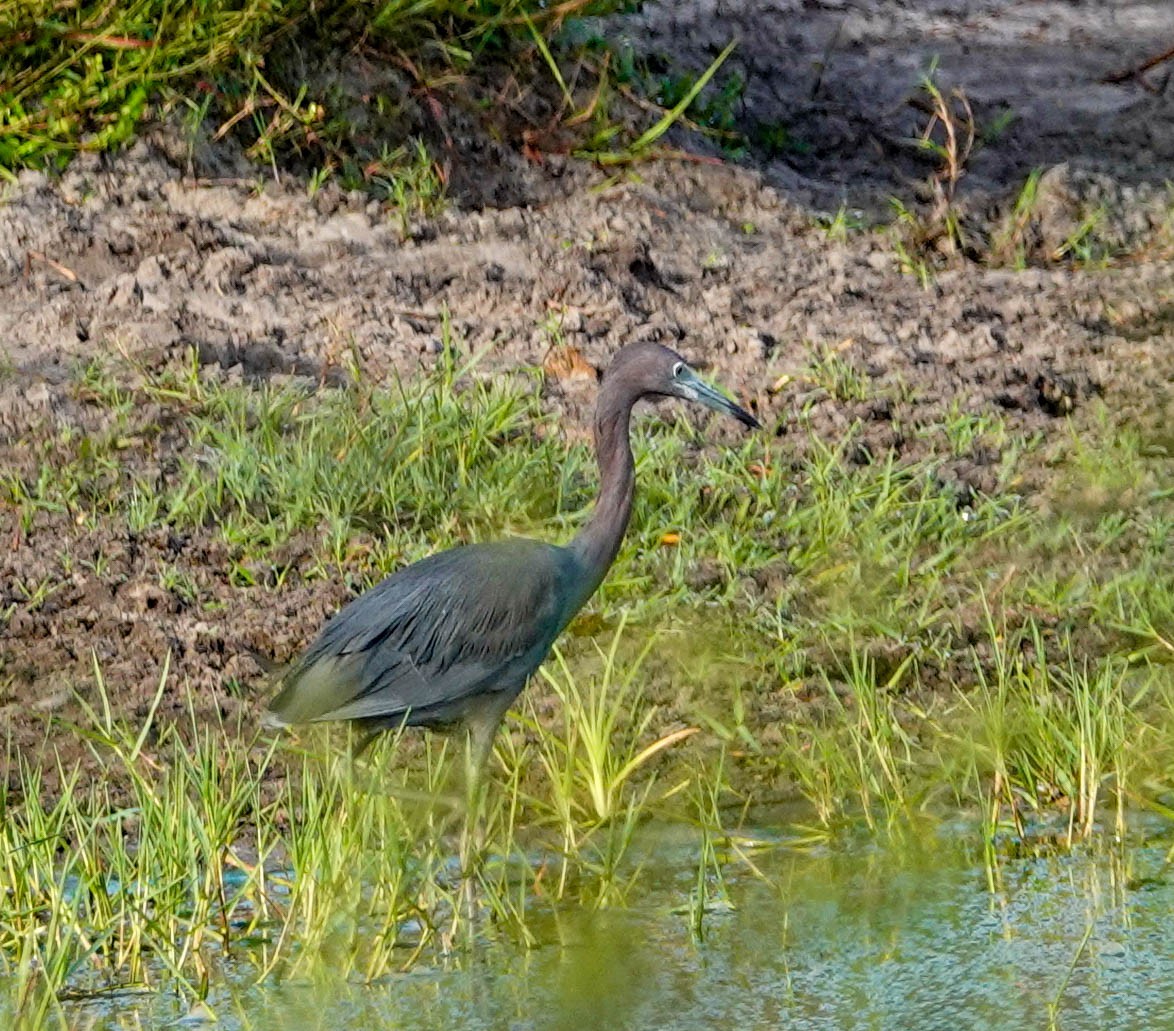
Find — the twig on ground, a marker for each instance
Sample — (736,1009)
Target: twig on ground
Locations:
(1141,69)
(56,266)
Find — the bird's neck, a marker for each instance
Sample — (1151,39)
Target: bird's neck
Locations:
(597,543)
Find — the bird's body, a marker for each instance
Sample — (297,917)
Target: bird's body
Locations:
(452,639)
(439,642)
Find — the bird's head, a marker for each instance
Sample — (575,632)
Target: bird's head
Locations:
(647,368)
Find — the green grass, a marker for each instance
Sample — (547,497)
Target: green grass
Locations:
(197,860)
(863,638)
(281,79)
(883,555)
(86,75)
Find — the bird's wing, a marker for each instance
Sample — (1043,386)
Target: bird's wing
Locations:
(462,622)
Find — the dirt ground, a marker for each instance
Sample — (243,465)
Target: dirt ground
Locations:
(730,265)
(842,75)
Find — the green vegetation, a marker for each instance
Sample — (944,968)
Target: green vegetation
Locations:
(85,75)
(848,629)
(716,113)
(676,102)
(88,76)
(928,236)
(844,222)
(923,238)
(1016,241)
(196,862)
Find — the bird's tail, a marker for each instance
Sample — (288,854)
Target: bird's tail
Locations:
(271,720)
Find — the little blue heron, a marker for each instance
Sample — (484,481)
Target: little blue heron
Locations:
(451,640)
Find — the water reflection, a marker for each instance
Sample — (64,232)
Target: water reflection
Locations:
(910,931)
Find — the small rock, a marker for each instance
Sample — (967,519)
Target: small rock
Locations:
(144,596)
(38,395)
(1056,393)
(124,291)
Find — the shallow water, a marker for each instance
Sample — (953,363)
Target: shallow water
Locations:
(907,929)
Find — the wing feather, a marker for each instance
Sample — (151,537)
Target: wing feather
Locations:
(463,622)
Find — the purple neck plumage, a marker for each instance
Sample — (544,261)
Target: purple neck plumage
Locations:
(596,545)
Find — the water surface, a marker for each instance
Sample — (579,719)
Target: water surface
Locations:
(911,929)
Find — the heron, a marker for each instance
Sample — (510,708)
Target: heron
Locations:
(450,641)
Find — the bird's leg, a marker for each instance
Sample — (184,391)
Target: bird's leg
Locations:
(480,747)
(472,834)
(366,739)
(480,731)
(369,729)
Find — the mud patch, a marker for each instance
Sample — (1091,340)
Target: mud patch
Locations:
(836,83)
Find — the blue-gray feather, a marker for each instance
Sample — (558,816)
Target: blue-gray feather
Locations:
(432,638)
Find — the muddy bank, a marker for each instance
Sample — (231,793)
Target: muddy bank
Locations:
(129,255)
(838,81)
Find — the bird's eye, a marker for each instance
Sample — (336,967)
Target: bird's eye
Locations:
(678,370)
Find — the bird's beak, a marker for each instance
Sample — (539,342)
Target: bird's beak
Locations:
(696,389)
